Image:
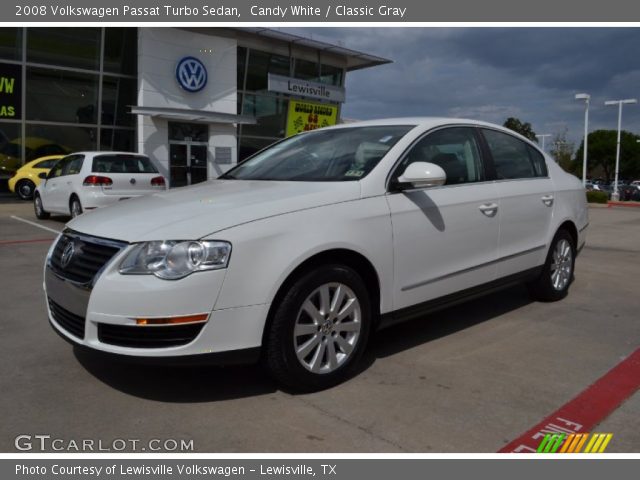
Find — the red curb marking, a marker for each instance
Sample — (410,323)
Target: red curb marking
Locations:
(15,242)
(586,410)
(623,204)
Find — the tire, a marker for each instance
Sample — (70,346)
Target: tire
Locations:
(25,189)
(41,214)
(553,283)
(75,207)
(326,347)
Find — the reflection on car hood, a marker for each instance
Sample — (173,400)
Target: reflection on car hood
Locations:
(197,211)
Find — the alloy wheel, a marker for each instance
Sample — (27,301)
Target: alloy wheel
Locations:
(327,328)
(561,265)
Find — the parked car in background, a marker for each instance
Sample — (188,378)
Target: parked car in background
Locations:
(26,179)
(34,147)
(298,253)
(87,180)
(626,192)
(608,189)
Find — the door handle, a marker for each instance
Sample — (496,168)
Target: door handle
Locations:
(489,209)
(547,200)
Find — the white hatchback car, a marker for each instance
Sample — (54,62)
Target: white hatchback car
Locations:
(86,180)
(297,254)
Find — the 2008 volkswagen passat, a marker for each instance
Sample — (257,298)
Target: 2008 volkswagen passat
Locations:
(295,256)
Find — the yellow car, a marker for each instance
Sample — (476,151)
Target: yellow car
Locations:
(26,179)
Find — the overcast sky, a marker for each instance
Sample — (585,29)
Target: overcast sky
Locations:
(494,73)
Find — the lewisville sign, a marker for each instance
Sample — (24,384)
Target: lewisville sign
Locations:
(10,91)
(304,88)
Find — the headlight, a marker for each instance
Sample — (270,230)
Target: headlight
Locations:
(175,259)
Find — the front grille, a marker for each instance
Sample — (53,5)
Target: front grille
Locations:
(72,323)
(148,336)
(89,256)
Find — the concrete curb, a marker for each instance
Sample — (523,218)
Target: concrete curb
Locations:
(623,204)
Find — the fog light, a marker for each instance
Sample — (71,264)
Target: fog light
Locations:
(202,317)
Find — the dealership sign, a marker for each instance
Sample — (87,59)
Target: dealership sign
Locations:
(191,74)
(303,88)
(305,116)
(10,91)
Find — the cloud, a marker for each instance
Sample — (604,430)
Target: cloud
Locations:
(493,73)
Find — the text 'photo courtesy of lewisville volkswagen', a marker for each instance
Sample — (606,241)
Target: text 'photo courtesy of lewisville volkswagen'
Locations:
(340,231)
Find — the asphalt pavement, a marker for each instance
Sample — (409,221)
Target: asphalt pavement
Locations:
(471,378)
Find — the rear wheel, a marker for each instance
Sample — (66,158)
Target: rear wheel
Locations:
(320,329)
(25,189)
(39,209)
(557,272)
(75,207)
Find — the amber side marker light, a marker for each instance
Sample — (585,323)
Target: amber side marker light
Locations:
(202,317)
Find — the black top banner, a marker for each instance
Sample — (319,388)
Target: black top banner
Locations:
(316,11)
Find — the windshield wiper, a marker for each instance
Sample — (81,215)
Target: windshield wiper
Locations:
(226,176)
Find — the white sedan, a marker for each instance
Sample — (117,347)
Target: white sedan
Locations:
(296,255)
(87,180)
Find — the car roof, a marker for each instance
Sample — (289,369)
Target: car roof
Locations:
(89,153)
(432,122)
(419,121)
(31,163)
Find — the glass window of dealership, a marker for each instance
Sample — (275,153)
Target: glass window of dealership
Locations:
(72,89)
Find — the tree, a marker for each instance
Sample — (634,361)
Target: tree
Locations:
(562,151)
(601,155)
(523,129)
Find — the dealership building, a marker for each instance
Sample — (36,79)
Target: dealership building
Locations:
(195,100)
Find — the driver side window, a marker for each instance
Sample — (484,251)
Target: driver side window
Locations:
(57,170)
(454,149)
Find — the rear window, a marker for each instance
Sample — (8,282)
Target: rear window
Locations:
(122,164)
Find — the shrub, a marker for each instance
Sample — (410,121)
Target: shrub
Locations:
(596,196)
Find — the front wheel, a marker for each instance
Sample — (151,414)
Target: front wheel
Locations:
(39,208)
(320,329)
(557,272)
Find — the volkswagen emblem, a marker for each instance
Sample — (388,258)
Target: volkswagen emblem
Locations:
(67,254)
(191,74)
(132,181)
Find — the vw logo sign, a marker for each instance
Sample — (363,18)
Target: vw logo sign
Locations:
(67,254)
(191,74)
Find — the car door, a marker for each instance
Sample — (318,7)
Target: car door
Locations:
(445,239)
(72,180)
(50,190)
(526,202)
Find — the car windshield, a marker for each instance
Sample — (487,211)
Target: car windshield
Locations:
(331,155)
(122,164)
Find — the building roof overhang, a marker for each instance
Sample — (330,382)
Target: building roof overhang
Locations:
(190,115)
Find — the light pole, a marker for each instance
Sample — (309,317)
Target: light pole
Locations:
(615,196)
(586,97)
(543,136)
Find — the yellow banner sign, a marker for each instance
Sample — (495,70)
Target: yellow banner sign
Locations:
(305,116)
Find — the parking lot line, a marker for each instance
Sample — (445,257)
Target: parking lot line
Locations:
(586,410)
(35,224)
(16,242)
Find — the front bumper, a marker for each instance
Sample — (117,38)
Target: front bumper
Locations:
(95,315)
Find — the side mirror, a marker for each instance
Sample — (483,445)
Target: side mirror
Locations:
(423,174)
(42,175)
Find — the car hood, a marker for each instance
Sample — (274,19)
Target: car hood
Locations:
(197,211)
